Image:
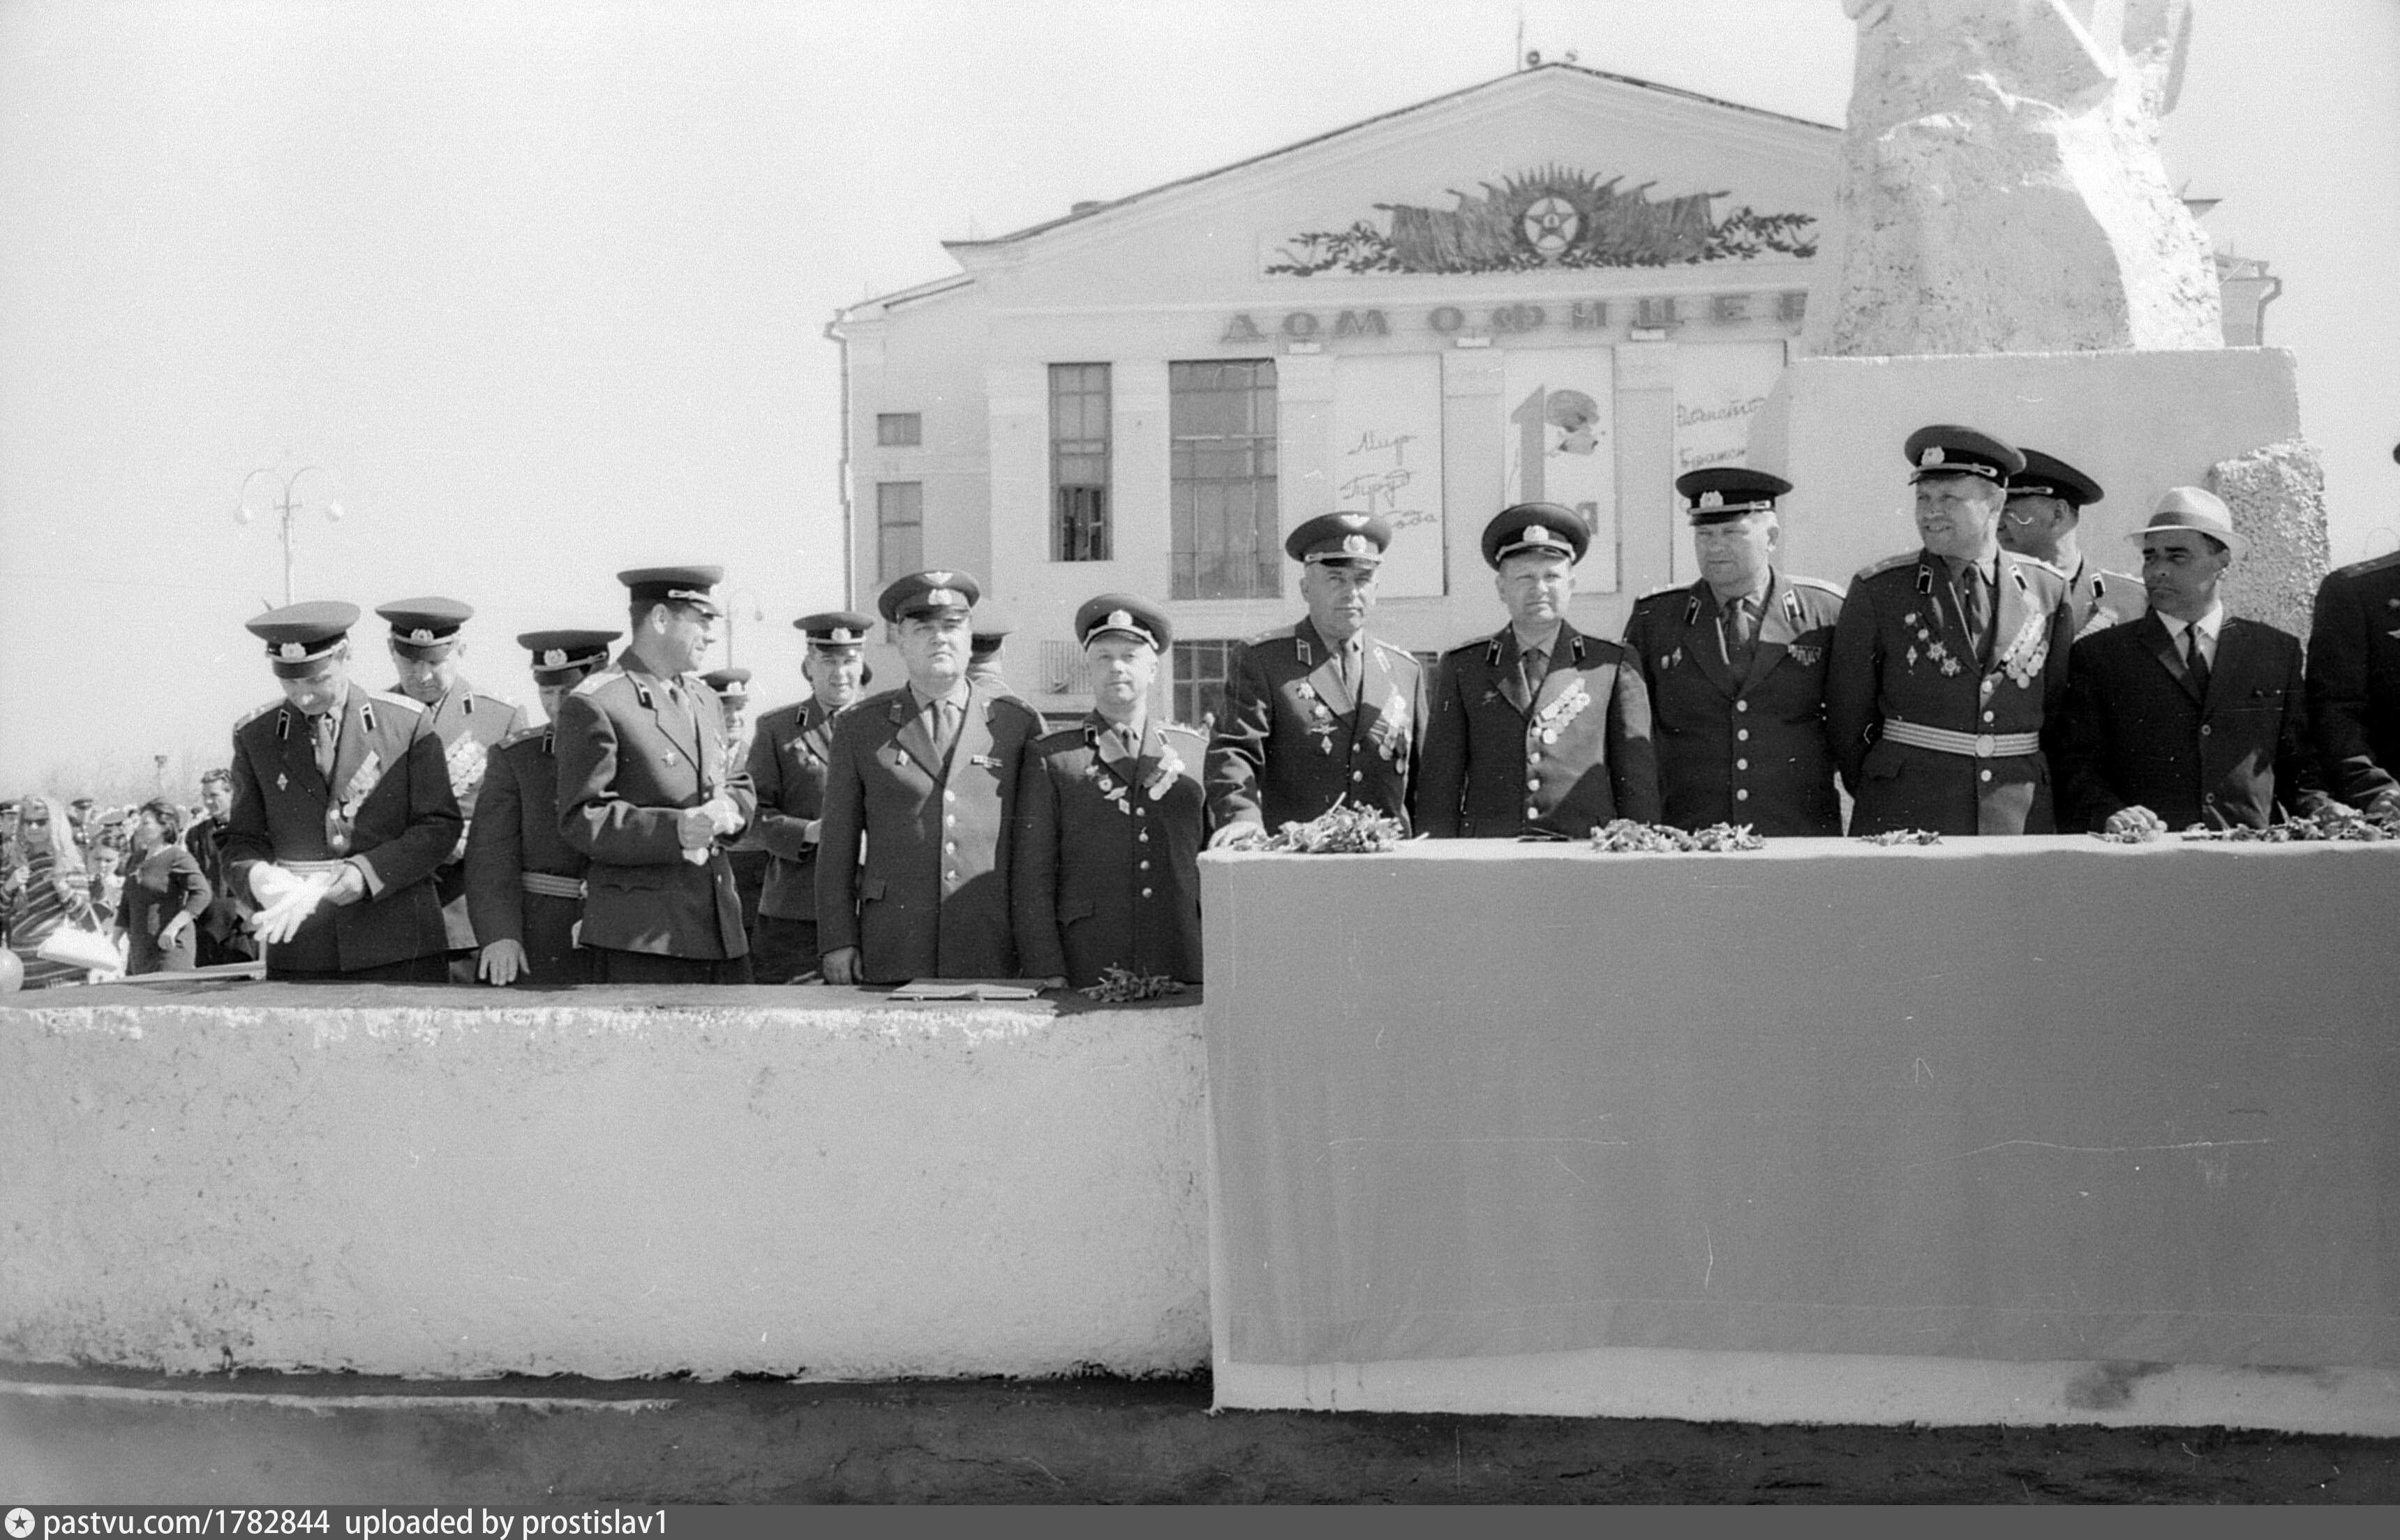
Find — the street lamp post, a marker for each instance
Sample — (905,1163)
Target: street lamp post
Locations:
(287,502)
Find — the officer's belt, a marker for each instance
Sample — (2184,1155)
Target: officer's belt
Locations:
(1974,745)
(310,869)
(551,886)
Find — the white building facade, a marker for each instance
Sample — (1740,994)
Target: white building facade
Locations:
(1560,284)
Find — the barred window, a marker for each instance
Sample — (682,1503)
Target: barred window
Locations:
(1201,670)
(1079,462)
(899,430)
(899,529)
(1222,432)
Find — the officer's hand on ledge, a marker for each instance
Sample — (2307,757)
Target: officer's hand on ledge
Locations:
(2135,820)
(500,962)
(840,965)
(1236,834)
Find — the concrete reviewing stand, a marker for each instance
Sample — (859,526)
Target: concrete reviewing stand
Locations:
(2032,1130)
(600,1181)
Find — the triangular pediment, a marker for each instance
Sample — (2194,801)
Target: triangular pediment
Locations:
(1556,167)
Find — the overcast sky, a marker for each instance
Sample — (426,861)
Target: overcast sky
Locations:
(543,285)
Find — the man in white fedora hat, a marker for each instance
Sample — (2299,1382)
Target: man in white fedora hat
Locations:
(2188,715)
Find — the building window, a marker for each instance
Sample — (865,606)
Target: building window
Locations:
(899,430)
(1201,669)
(899,529)
(1222,426)
(1079,462)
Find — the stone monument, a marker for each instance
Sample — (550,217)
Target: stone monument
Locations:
(2008,250)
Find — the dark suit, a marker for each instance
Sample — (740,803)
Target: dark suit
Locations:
(2136,731)
(930,897)
(1499,762)
(789,756)
(1293,742)
(1106,867)
(1902,653)
(2353,679)
(222,939)
(635,749)
(516,832)
(403,824)
(471,726)
(1749,750)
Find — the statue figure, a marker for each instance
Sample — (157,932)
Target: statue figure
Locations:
(2001,186)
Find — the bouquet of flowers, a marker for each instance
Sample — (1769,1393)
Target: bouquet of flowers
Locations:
(1624,834)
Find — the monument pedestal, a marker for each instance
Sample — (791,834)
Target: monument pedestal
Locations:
(2138,421)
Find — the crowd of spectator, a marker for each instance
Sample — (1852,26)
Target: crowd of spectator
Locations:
(89,892)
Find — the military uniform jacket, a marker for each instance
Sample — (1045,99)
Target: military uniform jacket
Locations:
(788,754)
(515,831)
(388,811)
(2136,731)
(928,896)
(631,755)
(2353,679)
(1901,653)
(1565,761)
(1293,742)
(2097,600)
(471,726)
(1748,749)
(1107,854)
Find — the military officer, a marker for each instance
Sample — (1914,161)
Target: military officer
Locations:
(1110,817)
(645,791)
(2354,682)
(342,811)
(524,883)
(1537,728)
(2046,503)
(426,651)
(1735,667)
(925,776)
(1318,712)
(749,858)
(788,769)
(1950,661)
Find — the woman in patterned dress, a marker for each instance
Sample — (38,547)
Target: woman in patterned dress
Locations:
(49,888)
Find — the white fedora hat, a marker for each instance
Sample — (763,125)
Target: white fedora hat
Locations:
(2200,511)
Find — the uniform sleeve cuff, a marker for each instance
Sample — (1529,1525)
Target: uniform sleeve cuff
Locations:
(367,871)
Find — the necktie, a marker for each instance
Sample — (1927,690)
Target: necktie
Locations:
(327,731)
(1535,663)
(1350,666)
(2195,662)
(1738,633)
(1975,609)
(945,727)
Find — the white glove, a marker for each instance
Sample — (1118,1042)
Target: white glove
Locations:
(286,900)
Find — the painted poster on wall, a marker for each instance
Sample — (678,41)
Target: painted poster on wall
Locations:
(1719,388)
(1388,461)
(1559,415)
